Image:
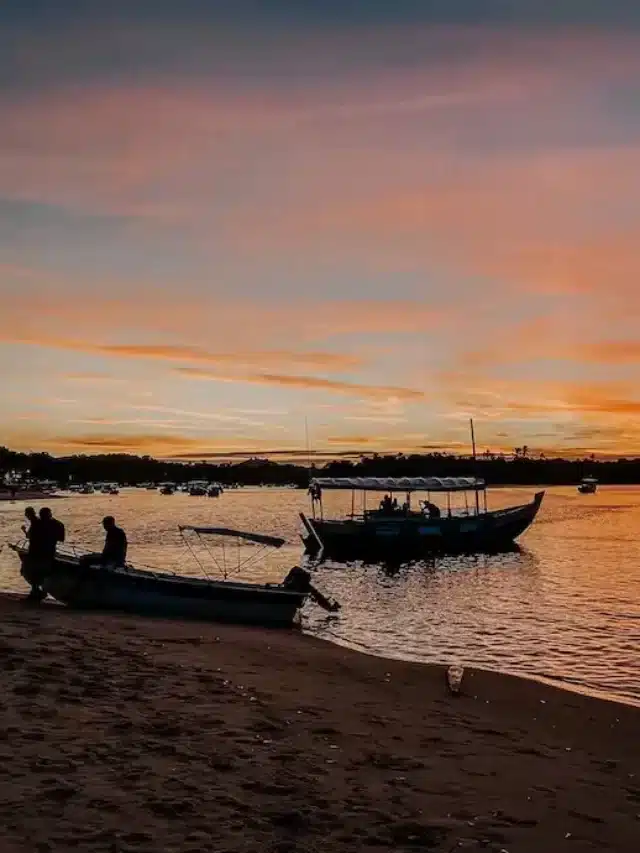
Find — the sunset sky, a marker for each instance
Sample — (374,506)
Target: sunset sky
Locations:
(218,219)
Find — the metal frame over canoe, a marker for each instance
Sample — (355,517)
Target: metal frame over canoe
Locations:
(257,538)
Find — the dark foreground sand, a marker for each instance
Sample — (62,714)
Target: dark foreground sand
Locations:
(119,734)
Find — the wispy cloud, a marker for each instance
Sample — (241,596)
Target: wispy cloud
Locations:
(206,416)
(178,352)
(308,383)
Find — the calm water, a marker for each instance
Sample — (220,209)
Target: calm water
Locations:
(566,608)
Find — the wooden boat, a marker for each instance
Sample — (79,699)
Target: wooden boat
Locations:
(167,489)
(398,529)
(588,486)
(77,582)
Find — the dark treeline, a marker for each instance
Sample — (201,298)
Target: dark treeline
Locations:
(497,470)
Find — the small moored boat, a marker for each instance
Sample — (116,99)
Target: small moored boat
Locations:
(400,529)
(588,486)
(78,583)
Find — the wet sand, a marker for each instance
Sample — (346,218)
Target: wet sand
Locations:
(121,734)
(29,495)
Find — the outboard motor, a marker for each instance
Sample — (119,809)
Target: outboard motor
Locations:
(299,580)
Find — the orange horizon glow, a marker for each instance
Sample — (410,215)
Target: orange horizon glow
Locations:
(201,251)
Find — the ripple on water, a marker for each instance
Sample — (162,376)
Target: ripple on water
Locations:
(566,608)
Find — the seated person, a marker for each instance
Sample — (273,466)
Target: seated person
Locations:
(114,553)
(386,504)
(430,509)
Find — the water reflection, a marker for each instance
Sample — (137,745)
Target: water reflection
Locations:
(563,606)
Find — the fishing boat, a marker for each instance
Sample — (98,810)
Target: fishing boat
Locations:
(395,528)
(78,582)
(588,486)
(167,488)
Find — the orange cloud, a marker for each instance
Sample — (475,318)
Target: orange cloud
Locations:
(155,444)
(511,399)
(170,352)
(474,216)
(610,352)
(38,316)
(309,383)
(353,440)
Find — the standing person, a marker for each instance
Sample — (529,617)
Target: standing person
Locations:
(32,518)
(32,564)
(52,531)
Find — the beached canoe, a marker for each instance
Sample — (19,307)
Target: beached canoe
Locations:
(73,581)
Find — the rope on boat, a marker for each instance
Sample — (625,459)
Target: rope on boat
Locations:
(195,557)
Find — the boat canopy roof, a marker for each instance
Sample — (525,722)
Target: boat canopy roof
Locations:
(589,480)
(258,538)
(401,484)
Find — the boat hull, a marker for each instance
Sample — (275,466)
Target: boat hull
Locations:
(491,531)
(170,596)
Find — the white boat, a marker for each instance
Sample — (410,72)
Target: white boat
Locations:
(588,486)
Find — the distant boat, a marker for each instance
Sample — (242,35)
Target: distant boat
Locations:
(87,489)
(167,488)
(77,584)
(197,490)
(588,486)
(401,529)
(110,489)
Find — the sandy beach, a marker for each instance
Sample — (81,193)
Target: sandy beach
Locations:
(120,734)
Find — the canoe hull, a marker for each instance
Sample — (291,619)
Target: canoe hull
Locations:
(169,596)
(491,531)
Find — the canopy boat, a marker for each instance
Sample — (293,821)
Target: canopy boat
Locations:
(588,486)
(167,488)
(395,528)
(77,581)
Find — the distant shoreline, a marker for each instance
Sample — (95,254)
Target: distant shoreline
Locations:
(29,495)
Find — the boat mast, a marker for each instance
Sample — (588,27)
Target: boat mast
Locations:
(307,445)
(475,464)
